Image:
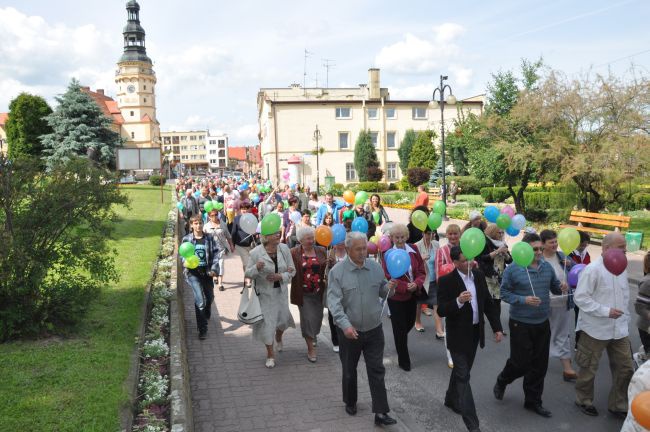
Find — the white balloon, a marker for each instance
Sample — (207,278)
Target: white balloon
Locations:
(518,222)
(295,217)
(248,223)
(385,228)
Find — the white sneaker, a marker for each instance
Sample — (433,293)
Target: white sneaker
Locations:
(335,348)
(270,363)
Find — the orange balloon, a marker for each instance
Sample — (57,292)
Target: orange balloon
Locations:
(348,196)
(323,235)
(641,409)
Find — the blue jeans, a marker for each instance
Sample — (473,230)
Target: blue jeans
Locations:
(203,289)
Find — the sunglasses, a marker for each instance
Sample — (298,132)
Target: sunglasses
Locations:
(538,249)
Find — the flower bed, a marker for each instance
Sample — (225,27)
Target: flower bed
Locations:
(153,406)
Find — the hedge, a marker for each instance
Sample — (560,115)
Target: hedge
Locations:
(469,185)
(367,186)
(157,180)
(534,197)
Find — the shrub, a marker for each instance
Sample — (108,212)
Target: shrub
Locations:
(157,180)
(418,176)
(495,194)
(336,190)
(469,185)
(392,186)
(546,200)
(153,387)
(472,200)
(558,215)
(405,186)
(372,186)
(535,214)
(375,174)
(641,200)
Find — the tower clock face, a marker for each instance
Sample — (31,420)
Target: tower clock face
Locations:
(130,88)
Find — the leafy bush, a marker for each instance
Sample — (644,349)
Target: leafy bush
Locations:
(418,176)
(495,194)
(336,190)
(405,186)
(548,200)
(392,186)
(468,184)
(641,200)
(472,200)
(157,180)
(536,215)
(153,387)
(375,174)
(558,215)
(372,187)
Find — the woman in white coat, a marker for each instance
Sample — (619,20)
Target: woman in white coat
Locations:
(270,266)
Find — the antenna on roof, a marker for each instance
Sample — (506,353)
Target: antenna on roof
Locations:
(304,72)
(327,64)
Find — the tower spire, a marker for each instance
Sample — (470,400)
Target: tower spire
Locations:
(134,46)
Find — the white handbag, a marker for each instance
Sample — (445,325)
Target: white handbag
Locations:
(250,311)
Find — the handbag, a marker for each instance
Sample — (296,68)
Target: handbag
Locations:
(250,310)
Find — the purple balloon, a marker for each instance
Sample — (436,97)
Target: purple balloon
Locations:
(615,261)
(574,274)
(508,210)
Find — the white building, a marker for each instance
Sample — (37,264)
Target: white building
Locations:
(288,117)
(217,152)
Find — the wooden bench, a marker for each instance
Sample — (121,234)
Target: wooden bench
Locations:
(581,217)
(434,195)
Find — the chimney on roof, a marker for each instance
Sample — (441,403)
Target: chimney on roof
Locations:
(373,83)
(100,91)
(85,88)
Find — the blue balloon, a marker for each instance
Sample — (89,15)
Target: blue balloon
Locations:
(340,203)
(360,224)
(491,213)
(197,193)
(512,231)
(338,234)
(518,221)
(397,263)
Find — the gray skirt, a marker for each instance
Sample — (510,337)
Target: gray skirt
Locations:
(311,315)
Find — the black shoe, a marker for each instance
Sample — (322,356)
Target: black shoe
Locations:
(221,288)
(452,407)
(351,409)
(618,414)
(203,334)
(590,410)
(475,430)
(499,390)
(538,409)
(384,420)
(404,367)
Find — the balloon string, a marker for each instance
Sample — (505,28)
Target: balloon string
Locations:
(531,283)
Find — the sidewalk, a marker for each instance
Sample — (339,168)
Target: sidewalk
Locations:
(635,259)
(232,390)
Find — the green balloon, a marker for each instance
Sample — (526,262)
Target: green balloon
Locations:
(503,221)
(208,206)
(192,262)
(435,220)
(375,217)
(186,250)
(361,197)
(271,224)
(217,205)
(472,243)
(439,207)
(523,254)
(286,204)
(419,220)
(568,239)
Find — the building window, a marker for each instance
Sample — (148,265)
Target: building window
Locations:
(373,113)
(185,157)
(213,142)
(419,113)
(183,148)
(350,173)
(192,137)
(132,114)
(213,161)
(184,138)
(343,113)
(174,140)
(391,113)
(391,171)
(167,140)
(222,153)
(145,87)
(222,163)
(374,138)
(222,143)
(132,135)
(390,140)
(213,152)
(201,137)
(145,100)
(344,140)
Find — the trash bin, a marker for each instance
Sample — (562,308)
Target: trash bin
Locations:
(634,241)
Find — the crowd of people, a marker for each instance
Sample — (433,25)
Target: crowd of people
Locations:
(352,279)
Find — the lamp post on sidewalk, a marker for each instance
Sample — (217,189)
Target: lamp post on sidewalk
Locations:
(441,103)
(317,137)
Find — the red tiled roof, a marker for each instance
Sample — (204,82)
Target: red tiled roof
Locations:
(3,118)
(238,153)
(107,104)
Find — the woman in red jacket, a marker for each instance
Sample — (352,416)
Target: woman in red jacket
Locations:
(403,304)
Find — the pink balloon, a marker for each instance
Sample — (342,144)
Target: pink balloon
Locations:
(615,261)
(385,243)
(372,248)
(508,210)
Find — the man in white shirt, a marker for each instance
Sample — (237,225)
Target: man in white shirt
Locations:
(604,318)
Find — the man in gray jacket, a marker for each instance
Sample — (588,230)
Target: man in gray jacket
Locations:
(354,287)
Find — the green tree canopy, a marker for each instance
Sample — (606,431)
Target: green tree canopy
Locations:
(365,156)
(404,151)
(423,153)
(80,128)
(25,125)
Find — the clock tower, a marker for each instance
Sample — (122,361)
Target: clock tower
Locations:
(136,84)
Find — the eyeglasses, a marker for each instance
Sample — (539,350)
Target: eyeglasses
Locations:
(538,249)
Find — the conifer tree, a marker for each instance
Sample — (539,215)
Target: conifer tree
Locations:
(365,156)
(25,125)
(423,153)
(80,128)
(404,151)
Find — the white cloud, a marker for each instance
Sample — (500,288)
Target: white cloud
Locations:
(416,92)
(247,133)
(422,55)
(460,75)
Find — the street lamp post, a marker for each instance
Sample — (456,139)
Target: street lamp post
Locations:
(317,137)
(441,103)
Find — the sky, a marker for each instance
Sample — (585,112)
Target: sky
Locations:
(212,57)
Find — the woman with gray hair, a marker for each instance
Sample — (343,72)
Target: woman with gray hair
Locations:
(271,268)
(308,285)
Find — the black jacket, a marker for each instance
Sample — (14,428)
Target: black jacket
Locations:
(459,320)
(212,252)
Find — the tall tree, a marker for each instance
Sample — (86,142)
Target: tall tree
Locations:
(365,156)
(423,153)
(404,151)
(80,128)
(25,125)
(459,142)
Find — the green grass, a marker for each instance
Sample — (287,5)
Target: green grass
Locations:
(641,222)
(78,383)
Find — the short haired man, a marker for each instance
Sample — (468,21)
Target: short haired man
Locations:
(603,320)
(329,206)
(202,278)
(463,298)
(354,287)
(527,290)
